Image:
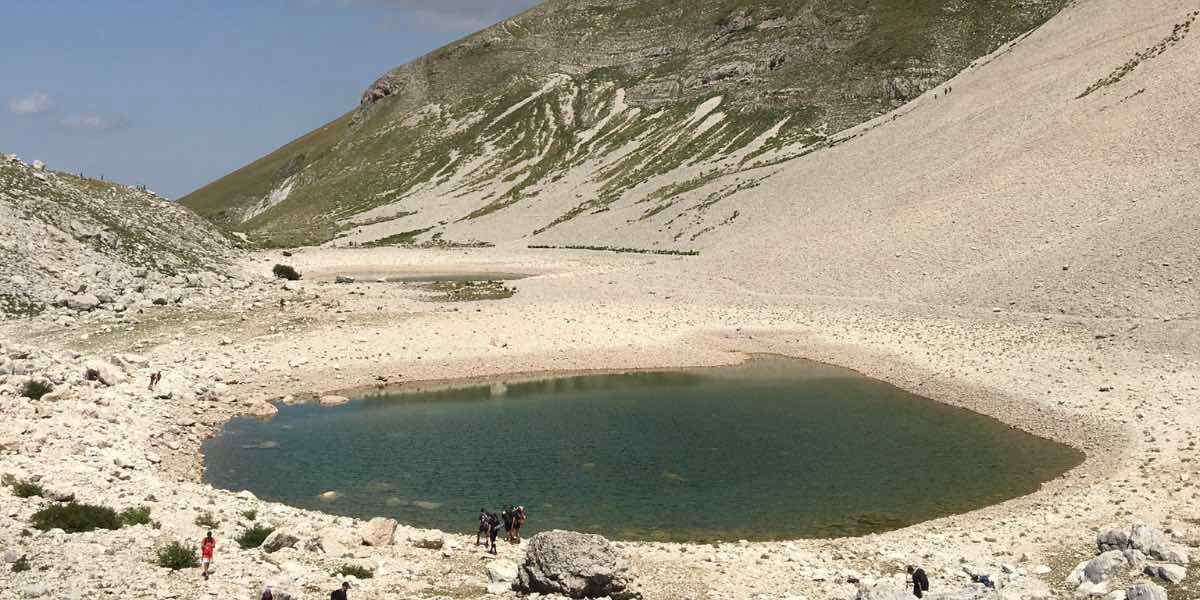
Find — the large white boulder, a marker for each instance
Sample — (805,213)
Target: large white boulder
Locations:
(378,531)
(578,565)
(106,373)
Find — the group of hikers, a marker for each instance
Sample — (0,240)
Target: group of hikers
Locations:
(511,519)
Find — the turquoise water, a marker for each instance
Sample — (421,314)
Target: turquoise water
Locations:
(772,449)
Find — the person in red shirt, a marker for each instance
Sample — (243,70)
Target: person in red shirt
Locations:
(206,552)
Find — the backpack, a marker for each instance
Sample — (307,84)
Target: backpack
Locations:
(494,520)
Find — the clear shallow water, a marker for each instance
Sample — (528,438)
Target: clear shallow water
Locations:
(772,449)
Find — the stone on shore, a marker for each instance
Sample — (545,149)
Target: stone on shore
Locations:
(433,540)
(379,531)
(502,571)
(577,565)
(332,400)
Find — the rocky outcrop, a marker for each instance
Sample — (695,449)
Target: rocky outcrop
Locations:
(576,565)
(1140,536)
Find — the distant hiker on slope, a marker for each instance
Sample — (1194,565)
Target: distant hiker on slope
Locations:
(918,580)
(206,553)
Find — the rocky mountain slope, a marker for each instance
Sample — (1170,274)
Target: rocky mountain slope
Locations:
(82,244)
(532,128)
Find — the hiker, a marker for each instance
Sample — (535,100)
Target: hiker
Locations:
(493,530)
(155,377)
(483,526)
(518,521)
(340,593)
(918,580)
(267,594)
(206,553)
(507,517)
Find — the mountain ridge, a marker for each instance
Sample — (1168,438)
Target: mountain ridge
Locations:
(628,105)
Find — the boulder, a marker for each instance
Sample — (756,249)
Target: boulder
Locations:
(83,302)
(1156,544)
(34,590)
(333,400)
(1145,590)
(106,373)
(1106,565)
(1172,573)
(502,571)
(338,542)
(278,540)
(343,279)
(378,531)
(433,540)
(577,565)
(882,591)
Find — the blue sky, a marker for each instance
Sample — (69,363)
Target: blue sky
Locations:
(176,93)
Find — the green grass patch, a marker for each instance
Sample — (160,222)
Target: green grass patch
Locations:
(354,571)
(176,556)
(76,518)
(27,489)
(285,272)
(207,520)
(250,515)
(253,537)
(35,389)
(136,516)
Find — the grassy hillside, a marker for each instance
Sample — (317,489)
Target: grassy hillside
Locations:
(575,107)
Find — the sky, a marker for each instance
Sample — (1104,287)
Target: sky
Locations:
(176,93)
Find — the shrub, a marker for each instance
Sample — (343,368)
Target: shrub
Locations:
(34,390)
(176,556)
(76,518)
(285,272)
(207,520)
(354,571)
(27,489)
(254,536)
(250,515)
(21,564)
(136,516)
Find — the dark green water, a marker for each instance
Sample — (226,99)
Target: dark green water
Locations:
(768,450)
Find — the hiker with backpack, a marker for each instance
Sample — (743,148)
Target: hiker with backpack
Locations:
(493,530)
(507,517)
(207,545)
(918,579)
(518,520)
(484,521)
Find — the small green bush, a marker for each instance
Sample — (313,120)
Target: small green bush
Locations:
(34,390)
(207,520)
(27,489)
(354,571)
(76,518)
(176,556)
(285,272)
(136,516)
(250,515)
(254,536)
(21,564)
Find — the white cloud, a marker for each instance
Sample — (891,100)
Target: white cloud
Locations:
(33,104)
(459,16)
(94,123)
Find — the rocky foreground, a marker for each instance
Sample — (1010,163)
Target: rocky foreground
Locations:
(97,435)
